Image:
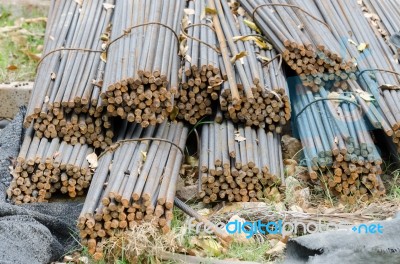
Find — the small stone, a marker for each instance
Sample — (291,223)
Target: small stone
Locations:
(301,173)
(291,147)
(68,259)
(84,260)
(187,192)
(292,185)
(295,194)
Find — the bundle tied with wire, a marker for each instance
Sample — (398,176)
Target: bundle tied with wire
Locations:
(66,91)
(135,182)
(378,76)
(201,70)
(257,73)
(239,163)
(141,75)
(305,39)
(339,150)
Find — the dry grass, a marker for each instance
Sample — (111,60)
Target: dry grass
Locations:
(140,245)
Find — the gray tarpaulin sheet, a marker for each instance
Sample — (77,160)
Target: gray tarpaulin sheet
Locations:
(347,246)
(32,233)
(10,141)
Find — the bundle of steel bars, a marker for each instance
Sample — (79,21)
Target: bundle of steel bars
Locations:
(338,144)
(378,71)
(134,182)
(65,95)
(141,75)
(201,73)
(239,163)
(262,89)
(44,167)
(307,43)
(272,108)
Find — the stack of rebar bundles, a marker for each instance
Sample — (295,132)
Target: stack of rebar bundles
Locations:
(201,71)
(239,163)
(338,146)
(65,96)
(255,94)
(134,182)
(141,75)
(111,68)
(327,27)
(44,167)
(306,41)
